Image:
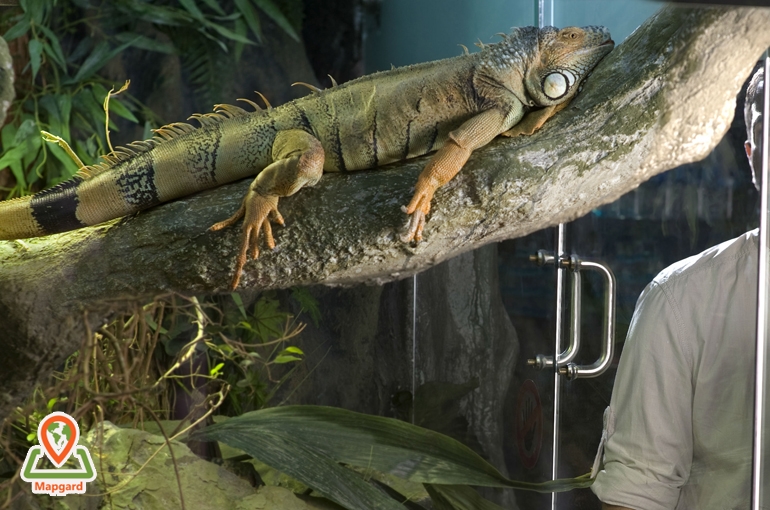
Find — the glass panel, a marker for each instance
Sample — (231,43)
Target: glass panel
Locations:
(472,323)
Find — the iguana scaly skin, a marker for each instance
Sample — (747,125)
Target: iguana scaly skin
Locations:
(451,106)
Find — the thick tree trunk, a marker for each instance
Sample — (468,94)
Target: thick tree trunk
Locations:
(662,98)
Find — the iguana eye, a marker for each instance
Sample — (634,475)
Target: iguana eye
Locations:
(555,86)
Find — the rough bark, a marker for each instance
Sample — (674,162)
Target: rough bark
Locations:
(662,98)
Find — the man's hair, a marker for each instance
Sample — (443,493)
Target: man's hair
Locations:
(754,96)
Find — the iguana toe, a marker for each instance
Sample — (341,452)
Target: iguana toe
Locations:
(414,227)
(258,211)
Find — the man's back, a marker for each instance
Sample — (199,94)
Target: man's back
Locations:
(679,430)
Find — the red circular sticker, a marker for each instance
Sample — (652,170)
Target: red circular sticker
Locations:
(529,424)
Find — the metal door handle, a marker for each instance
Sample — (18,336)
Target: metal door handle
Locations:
(564,363)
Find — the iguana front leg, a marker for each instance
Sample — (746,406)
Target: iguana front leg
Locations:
(298,160)
(534,120)
(444,165)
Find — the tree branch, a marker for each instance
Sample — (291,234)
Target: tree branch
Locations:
(663,98)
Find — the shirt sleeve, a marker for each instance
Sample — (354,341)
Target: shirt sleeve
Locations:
(648,426)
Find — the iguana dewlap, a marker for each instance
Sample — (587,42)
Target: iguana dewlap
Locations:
(451,106)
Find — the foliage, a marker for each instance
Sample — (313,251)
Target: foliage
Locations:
(128,370)
(310,443)
(65,47)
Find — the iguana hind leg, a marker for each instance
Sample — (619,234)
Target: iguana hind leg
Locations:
(298,160)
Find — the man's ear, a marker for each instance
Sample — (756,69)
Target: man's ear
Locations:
(747,146)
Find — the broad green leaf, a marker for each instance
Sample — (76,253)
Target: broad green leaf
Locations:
(293,350)
(269,8)
(268,319)
(283,453)
(384,444)
(251,17)
(35,56)
(458,497)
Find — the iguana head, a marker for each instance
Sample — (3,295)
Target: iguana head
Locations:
(564,59)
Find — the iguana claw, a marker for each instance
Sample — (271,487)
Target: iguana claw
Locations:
(258,211)
(418,208)
(414,227)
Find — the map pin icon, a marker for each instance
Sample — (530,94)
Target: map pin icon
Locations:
(58,434)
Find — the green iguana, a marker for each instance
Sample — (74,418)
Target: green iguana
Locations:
(453,106)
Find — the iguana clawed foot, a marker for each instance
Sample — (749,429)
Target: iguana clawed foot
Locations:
(418,208)
(258,211)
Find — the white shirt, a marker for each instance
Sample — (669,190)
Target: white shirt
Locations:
(678,432)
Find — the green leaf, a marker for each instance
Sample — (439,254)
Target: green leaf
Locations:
(26,130)
(282,358)
(154,325)
(240,29)
(70,168)
(145,43)
(147,131)
(308,303)
(293,350)
(215,371)
(384,444)
(53,47)
(239,303)
(101,54)
(214,5)
(251,17)
(458,497)
(19,29)
(226,32)
(157,14)
(8,137)
(269,8)
(35,56)
(118,108)
(35,9)
(268,319)
(12,159)
(192,8)
(331,480)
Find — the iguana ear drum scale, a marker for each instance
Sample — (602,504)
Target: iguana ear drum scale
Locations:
(451,106)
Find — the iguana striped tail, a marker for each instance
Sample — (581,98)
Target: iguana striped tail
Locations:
(179,161)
